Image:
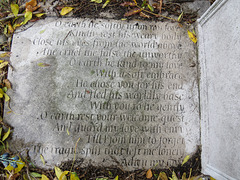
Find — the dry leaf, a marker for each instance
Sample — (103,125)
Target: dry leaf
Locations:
(66,10)
(132,12)
(31,6)
(149,174)
(10,28)
(160,6)
(144,15)
(192,36)
(3,64)
(5,54)
(184,176)
(162,176)
(7,83)
(126,4)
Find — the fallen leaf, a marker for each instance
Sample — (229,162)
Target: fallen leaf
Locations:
(174,176)
(6,134)
(42,159)
(185,159)
(43,65)
(15,9)
(126,4)
(132,12)
(1,93)
(106,3)
(66,10)
(74,176)
(3,64)
(36,175)
(149,174)
(59,172)
(144,15)
(184,176)
(7,83)
(6,97)
(20,164)
(68,132)
(28,16)
(63,177)
(192,36)
(31,6)
(96,1)
(162,176)
(180,17)
(160,6)
(44,177)
(39,14)
(116,178)
(10,28)
(5,54)
(211,178)
(150,7)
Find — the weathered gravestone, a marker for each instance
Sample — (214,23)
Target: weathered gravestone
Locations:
(128,90)
(219,56)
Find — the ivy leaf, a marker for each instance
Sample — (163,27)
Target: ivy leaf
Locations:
(6,135)
(15,9)
(66,10)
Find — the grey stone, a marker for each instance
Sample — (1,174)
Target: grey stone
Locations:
(220,106)
(128,90)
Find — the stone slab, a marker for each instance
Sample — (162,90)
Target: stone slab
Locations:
(220,106)
(128,90)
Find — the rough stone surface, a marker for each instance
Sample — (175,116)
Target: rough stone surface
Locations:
(128,90)
(220,106)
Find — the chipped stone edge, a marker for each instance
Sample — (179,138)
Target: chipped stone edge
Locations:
(211,11)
